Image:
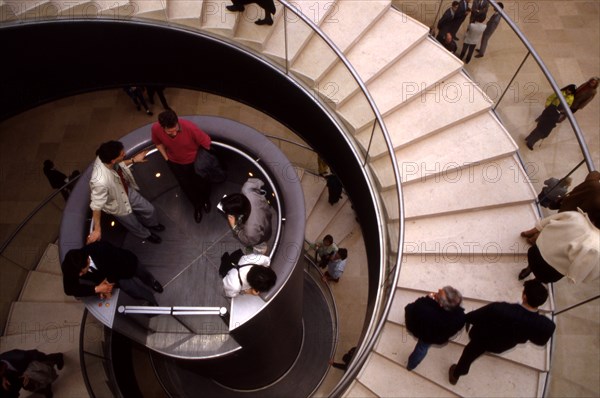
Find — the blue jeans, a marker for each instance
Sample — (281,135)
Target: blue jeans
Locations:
(417,355)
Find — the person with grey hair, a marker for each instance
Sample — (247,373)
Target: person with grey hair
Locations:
(433,319)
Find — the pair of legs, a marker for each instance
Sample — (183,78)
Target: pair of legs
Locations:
(138,286)
(546,123)
(543,271)
(137,96)
(159,90)
(142,217)
(195,188)
(472,351)
(467,49)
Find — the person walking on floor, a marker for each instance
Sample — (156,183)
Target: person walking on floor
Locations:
(549,117)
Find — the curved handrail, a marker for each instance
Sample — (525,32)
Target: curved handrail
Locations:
(375,325)
(578,133)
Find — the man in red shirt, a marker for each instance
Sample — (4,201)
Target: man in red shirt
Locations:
(179,141)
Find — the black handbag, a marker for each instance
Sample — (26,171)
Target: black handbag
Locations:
(208,166)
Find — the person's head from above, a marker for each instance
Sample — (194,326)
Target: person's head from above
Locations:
(341,254)
(534,293)
(48,164)
(236,205)
(570,89)
(501,4)
(594,81)
(169,122)
(480,18)
(448,37)
(261,279)
(448,298)
(328,240)
(455,5)
(76,262)
(111,152)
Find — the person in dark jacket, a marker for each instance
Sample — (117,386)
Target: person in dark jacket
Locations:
(109,265)
(13,365)
(433,319)
(500,326)
(445,23)
(267,5)
(249,215)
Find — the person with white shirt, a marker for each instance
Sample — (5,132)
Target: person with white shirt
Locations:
(472,38)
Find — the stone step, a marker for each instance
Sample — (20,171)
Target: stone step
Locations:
(485,231)
(489,376)
(490,184)
(342,225)
(478,139)
(298,32)
(321,215)
(217,19)
(386,378)
(384,43)
(44,287)
(445,104)
(151,9)
(344,29)
(27,317)
(251,34)
(50,261)
(359,390)
(185,12)
(313,187)
(402,83)
(491,278)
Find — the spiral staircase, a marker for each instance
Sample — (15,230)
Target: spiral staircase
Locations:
(466,195)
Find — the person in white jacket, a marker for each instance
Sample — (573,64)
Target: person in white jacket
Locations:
(568,245)
(252,274)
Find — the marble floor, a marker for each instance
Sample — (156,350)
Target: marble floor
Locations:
(564,33)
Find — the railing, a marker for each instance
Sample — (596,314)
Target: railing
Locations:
(366,137)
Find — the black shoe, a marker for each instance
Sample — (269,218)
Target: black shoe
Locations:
(157,287)
(265,21)
(207,206)
(154,238)
(158,228)
(530,146)
(198,215)
(451,378)
(57,359)
(525,272)
(235,8)
(479,56)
